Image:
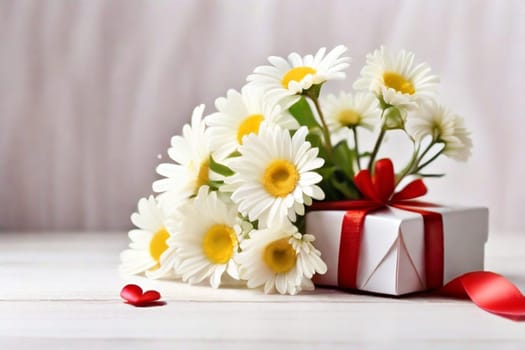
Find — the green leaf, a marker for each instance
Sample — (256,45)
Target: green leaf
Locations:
(300,223)
(316,140)
(314,91)
(382,104)
(214,185)
(330,192)
(302,112)
(431,175)
(344,159)
(220,168)
(326,172)
(345,187)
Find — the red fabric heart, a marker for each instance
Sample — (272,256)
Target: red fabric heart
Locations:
(133,295)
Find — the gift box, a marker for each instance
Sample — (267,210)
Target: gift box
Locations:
(393,252)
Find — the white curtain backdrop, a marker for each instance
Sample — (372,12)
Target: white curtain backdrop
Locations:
(91,91)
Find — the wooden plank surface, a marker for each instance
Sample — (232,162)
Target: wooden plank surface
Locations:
(61,290)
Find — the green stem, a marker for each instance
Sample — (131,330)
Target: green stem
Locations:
(424,153)
(356,147)
(429,161)
(414,162)
(409,166)
(376,148)
(326,132)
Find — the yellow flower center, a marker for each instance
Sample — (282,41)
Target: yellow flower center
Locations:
(219,243)
(249,125)
(280,256)
(280,178)
(158,244)
(204,174)
(398,82)
(296,74)
(349,117)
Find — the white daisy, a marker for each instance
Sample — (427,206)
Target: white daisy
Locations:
(240,114)
(274,175)
(293,76)
(191,170)
(148,243)
(397,78)
(444,127)
(205,239)
(348,111)
(279,257)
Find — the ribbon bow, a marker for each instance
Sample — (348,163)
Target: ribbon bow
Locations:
(380,187)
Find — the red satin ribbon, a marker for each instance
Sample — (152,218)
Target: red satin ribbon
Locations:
(489,291)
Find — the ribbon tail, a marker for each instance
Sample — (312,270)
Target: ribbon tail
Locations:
(489,291)
(413,190)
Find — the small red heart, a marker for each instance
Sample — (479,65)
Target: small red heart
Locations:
(133,295)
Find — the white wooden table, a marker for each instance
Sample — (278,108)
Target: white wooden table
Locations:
(61,291)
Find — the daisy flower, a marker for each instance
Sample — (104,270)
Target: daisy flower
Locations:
(348,111)
(397,78)
(290,77)
(191,170)
(240,114)
(444,127)
(205,239)
(148,242)
(279,257)
(274,175)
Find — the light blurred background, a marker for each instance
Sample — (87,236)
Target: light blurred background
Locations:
(91,91)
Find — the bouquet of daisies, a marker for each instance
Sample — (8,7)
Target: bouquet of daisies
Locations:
(231,204)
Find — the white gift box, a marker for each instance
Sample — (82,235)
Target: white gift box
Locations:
(391,258)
